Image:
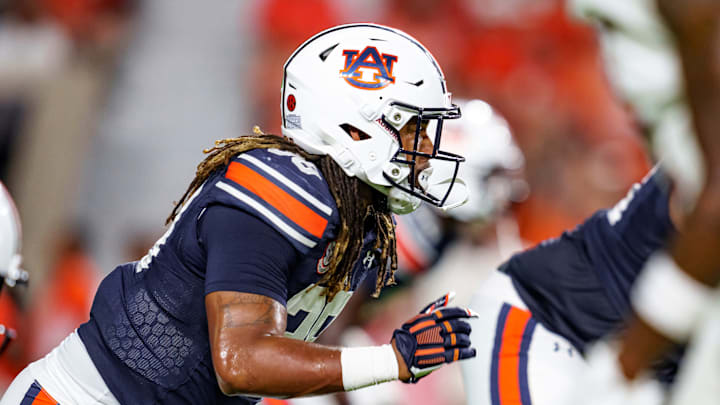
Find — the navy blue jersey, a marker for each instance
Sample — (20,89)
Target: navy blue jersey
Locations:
(578,285)
(147,333)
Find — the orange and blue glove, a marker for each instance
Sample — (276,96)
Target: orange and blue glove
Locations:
(438,335)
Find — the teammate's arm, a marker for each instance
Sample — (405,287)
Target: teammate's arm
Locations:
(696,26)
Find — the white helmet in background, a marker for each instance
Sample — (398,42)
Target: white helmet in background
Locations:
(492,158)
(371,79)
(10,235)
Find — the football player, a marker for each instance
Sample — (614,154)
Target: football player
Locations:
(434,247)
(677,287)
(492,170)
(545,305)
(268,243)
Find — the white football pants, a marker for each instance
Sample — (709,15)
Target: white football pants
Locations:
(66,376)
(518,362)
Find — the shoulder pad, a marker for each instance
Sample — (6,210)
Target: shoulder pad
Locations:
(284,190)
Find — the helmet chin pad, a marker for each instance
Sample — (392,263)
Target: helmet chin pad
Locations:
(453,189)
(402,203)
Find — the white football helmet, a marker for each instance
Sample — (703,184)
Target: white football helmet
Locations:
(493,161)
(372,79)
(10,235)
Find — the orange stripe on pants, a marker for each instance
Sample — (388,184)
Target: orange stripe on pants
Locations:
(508,365)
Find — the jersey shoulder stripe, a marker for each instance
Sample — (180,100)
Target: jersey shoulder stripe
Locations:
(282,179)
(268,214)
(283,189)
(282,201)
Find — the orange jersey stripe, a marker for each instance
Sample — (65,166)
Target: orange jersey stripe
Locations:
(288,205)
(509,362)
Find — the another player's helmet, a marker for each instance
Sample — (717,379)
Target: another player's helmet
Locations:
(373,79)
(10,235)
(492,170)
(493,163)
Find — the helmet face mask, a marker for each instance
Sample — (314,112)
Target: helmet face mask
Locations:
(416,185)
(374,80)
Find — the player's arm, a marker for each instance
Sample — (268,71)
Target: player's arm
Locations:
(695,24)
(251,355)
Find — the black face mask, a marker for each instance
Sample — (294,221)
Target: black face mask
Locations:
(409,156)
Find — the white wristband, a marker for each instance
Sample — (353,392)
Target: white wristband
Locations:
(363,366)
(668,299)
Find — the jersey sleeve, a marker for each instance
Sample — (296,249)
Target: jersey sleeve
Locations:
(244,254)
(578,285)
(641,221)
(283,190)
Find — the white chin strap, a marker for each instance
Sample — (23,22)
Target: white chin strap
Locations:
(458,196)
(402,203)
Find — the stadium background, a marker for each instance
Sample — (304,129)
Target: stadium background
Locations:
(106,105)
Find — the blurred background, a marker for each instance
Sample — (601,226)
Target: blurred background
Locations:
(106,106)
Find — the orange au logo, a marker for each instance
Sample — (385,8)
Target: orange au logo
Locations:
(368,70)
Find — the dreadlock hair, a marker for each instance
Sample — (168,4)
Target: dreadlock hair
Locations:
(357,215)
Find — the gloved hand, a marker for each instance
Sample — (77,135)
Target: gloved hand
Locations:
(438,335)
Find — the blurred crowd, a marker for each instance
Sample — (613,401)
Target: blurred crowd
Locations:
(106,105)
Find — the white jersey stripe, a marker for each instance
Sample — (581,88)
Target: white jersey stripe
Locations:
(267,213)
(324,208)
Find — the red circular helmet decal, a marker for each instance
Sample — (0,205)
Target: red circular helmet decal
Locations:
(291,102)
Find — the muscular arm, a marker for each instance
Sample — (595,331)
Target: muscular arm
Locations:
(251,355)
(696,26)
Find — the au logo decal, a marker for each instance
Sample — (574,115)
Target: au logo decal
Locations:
(368,70)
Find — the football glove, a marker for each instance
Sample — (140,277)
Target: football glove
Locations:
(438,335)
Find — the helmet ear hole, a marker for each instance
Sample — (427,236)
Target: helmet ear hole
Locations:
(355,133)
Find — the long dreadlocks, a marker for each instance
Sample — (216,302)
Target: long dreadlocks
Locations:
(357,215)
